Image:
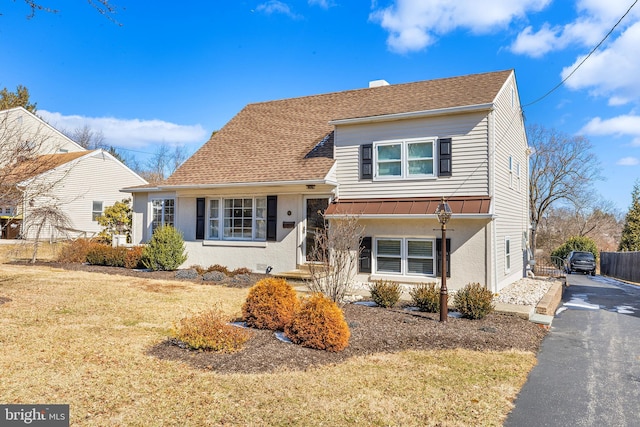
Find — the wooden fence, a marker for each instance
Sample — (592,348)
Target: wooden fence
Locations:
(621,265)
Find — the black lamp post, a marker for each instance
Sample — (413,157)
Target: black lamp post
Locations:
(443,212)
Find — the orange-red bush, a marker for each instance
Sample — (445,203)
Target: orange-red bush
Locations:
(76,250)
(133,257)
(270,304)
(319,323)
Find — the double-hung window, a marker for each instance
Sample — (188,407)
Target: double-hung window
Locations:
(507,254)
(163,212)
(238,218)
(96,210)
(404,159)
(405,256)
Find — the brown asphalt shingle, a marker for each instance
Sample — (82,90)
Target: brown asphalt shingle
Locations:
(41,164)
(274,141)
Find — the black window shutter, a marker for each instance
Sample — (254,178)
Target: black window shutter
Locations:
(272,218)
(439,257)
(200,218)
(366,161)
(364,266)
(444,152)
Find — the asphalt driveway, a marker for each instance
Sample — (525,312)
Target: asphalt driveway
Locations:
(588,371)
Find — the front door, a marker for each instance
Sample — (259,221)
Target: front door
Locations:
(315,226)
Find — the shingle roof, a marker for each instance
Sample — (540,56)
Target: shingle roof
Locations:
(41,164)
(277,140)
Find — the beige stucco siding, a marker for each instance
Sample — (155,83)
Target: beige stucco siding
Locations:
(468,248)
(469,148)
(510,191)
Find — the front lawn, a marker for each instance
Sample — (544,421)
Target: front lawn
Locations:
(85,339)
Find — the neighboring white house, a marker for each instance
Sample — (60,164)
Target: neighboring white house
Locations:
(387,154)
(56,172)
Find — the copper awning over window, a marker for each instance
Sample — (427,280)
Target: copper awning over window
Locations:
(462,205)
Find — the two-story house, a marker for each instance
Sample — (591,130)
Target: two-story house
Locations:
(41,167)
(387,154)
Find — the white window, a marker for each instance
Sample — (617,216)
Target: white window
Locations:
(241,218)
(96,210)
(163,212)
(507,254)
(404,159)
(405,256)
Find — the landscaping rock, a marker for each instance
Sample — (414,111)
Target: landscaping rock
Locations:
(214,276)
(241,279)
(187,274)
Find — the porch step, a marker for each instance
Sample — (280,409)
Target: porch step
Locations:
(297,274)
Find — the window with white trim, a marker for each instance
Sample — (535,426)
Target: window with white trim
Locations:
(518,175)
(408,257)
(96,210)
(238,219)
(507,254)
(163,213)
(404,159)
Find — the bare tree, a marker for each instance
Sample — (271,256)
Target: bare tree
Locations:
(335,256)
(563,168)
(87,137)
(104,7)
(48,216)
(164,161)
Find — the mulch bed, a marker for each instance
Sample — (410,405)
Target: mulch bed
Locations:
(373,330)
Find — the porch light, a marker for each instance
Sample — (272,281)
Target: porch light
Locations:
(443,212)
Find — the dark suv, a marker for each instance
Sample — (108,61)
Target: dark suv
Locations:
(584,262)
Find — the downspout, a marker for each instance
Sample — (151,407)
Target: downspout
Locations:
(492,192)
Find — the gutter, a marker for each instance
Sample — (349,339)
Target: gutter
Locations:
(414,114)
(414,216)
(230,185)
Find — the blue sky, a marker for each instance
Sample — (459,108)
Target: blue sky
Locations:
(172,72)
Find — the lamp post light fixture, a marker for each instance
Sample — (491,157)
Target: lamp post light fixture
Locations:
(443,212)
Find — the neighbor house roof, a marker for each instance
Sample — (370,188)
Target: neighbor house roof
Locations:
(409,207)
(292,140)
(41,164)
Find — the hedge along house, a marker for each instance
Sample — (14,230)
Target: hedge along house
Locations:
(253,194)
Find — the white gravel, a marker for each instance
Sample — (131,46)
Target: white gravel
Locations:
(525,291)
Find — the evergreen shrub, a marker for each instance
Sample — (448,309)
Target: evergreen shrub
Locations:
(426,296)
(319,323)
(211,331)
(270,304)
(385,293)
(474,301)
(165,250)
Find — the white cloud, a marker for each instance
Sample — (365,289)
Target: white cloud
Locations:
(622,125)
(415,24)
(275,6)
(325,4)
(595,18)
(130,133)
(612,72)
(628,161)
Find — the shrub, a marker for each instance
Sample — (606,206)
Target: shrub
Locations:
(133,259)
(211,331)
(576,243)
(240,271)
(165,250)
(474,301)
(426,296)
(270,304)
(199,269)
(319,323)
(76,250)
(218,267)
(385,293)
(106,255)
